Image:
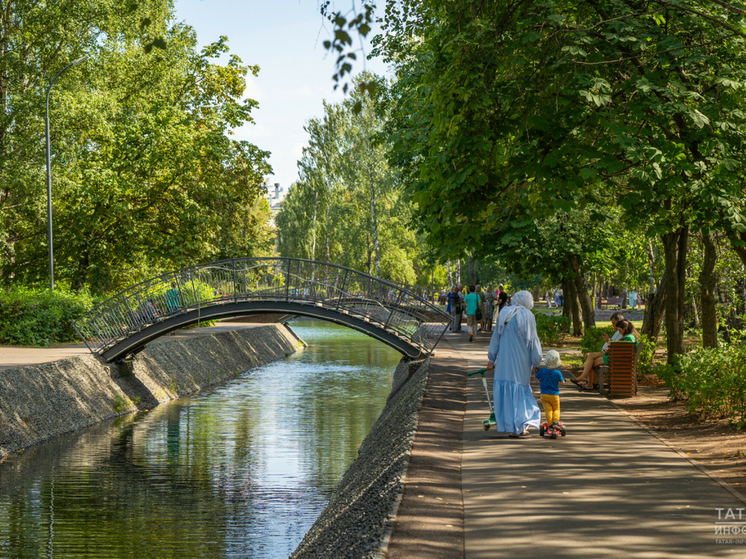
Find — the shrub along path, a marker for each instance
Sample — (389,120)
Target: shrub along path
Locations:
(609,489)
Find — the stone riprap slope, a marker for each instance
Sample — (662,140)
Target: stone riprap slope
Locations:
(40,402)
(360,515)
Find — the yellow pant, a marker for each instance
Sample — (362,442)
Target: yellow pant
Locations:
(551,407)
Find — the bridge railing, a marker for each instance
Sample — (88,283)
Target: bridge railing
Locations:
(385,304)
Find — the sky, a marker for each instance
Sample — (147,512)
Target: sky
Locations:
(285,38)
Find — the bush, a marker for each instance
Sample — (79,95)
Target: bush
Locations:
(37,317)
(711,380)
(593,339)
(645,364)
(551,329)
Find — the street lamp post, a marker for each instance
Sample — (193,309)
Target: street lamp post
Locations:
(49,172)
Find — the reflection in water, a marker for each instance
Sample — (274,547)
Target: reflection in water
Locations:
(238,471)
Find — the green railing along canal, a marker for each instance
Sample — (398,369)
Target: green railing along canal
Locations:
(242,470)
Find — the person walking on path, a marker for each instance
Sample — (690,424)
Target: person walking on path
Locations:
(480,313)
(549,380)
(454,300)
(489,308)
(514,352)
(173,299)
(472,301)
(502,302)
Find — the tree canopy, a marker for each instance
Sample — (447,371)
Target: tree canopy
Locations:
(145,174)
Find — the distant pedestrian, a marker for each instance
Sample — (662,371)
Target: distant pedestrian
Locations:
(149,312)
(549,380)
(480,313)
(456,309)
(472,306)
(561,297)
(633,299)
(502,301)
(173,299)
(489,308)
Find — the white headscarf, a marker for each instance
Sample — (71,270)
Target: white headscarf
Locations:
(521,300)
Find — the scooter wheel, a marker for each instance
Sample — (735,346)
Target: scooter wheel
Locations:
(486,424)
(554,434)
(563,431)
(541,430)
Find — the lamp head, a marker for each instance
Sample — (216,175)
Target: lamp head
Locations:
(80,60)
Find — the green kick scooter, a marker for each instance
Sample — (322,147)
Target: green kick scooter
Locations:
(487,423)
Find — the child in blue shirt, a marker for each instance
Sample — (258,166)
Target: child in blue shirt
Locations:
(549,380)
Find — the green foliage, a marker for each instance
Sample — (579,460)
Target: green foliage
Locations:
(145,174)
(645,363)
(37,317)
(551,329)
(119,404)
(712,381)
(533,131)
(593,339)
(348,205)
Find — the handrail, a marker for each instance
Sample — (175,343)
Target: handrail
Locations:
(383,303)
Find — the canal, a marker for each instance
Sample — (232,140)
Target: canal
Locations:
(241,470)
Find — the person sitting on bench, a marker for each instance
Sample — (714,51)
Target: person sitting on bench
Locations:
(627,334)
(616,317)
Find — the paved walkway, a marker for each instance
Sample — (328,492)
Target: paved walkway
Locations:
(11,356)
(608,489)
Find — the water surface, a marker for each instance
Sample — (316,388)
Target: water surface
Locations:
(242,470)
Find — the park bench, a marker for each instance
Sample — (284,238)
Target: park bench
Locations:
(614,302)
(621,372)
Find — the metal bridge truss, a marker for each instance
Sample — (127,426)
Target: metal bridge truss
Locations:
(392,313)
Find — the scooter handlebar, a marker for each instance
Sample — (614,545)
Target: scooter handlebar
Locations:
(477,372)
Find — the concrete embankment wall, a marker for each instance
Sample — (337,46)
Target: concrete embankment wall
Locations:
(40,402)
(360,515)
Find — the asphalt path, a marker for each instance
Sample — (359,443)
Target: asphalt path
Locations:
(607,489)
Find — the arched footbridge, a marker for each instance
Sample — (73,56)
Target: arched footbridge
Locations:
(389,312)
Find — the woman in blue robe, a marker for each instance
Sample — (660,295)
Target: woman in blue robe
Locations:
(514,352)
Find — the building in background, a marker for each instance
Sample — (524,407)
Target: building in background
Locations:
(275,197)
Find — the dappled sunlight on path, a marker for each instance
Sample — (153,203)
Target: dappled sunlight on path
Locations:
(608,489)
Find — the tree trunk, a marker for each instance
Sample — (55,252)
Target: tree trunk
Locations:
(589,315)
(313,232)
(375,231)
(708,284)
(674,244)
(450,276)
(458,272)
(655,310)
(571,303)
(326,226)
(651,264)
(566,292)
(738,242)
(370,252)
(472,270)
(375,221)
